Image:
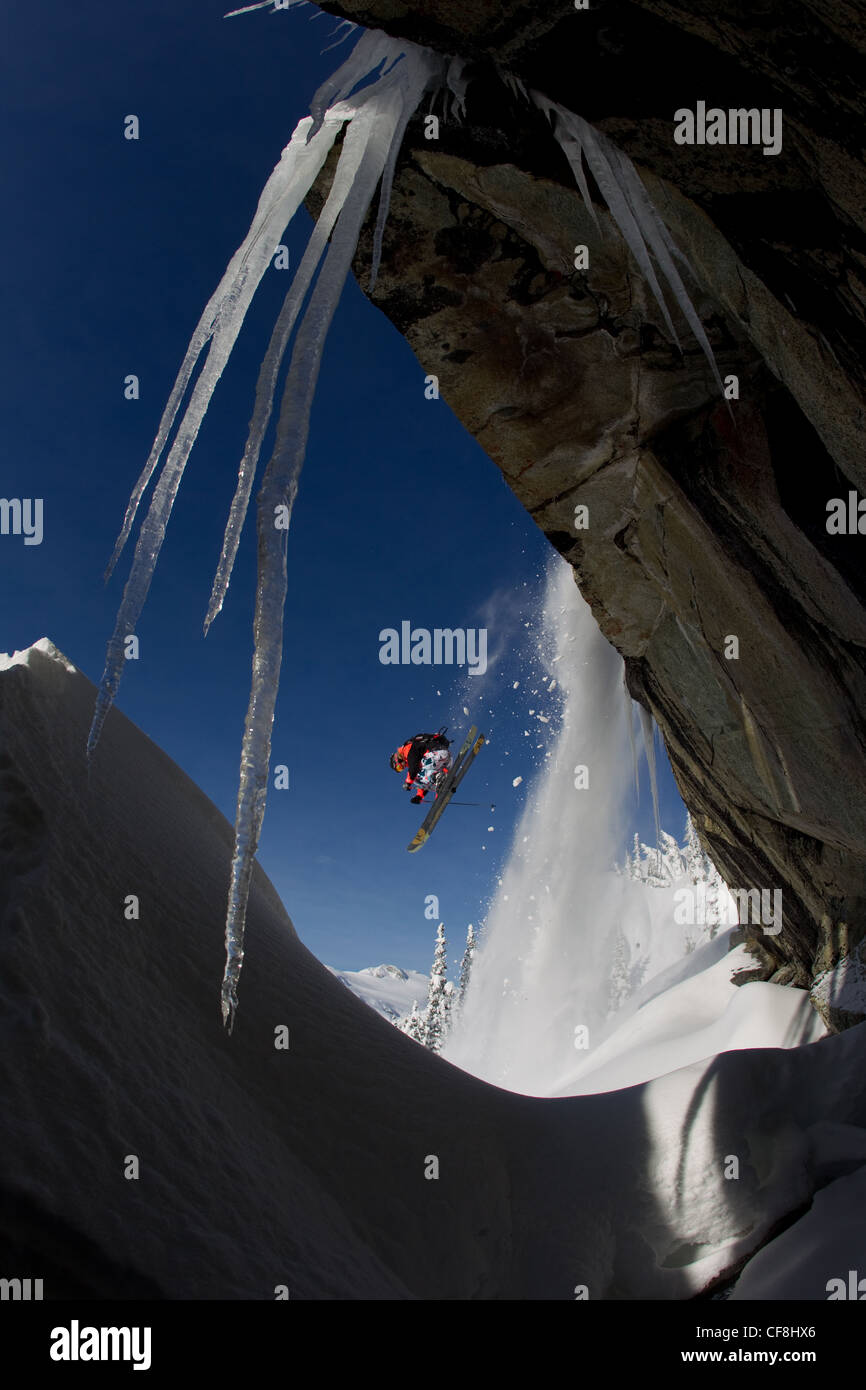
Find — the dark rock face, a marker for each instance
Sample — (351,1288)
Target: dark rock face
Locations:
(705,522)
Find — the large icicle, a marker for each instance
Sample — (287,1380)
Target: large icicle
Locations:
(382,117)
(646,723)
(298,168)
(300,163)
(350,158)
(629,715)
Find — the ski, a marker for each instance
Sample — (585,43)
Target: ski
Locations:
(470,747)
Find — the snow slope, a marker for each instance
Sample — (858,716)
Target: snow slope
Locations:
(305,1167)
(686,1020)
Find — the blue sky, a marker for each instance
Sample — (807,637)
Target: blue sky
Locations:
(112,247)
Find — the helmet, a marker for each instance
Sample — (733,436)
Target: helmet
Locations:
(399,761)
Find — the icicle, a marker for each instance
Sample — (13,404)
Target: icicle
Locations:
(646,723)
(348,27)
(385,193)
(514,84)
(264,5)
(350,158)
(299,166)
(456,83)
(371,51)
(288,185)
(629,714)
(631,208)
(381,119)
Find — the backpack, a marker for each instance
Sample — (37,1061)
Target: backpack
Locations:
(430,742)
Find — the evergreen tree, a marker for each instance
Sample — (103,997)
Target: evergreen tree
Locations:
(412,1024)
(636,864)
(466,965)
(437,1016)
(694,854)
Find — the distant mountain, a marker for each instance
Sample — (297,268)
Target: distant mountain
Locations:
(386,988)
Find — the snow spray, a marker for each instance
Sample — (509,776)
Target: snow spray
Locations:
(540,978)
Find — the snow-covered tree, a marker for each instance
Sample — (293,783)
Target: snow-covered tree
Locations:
(437,1016)
(694,854)
(430,1026)
(413,1024)
(668,862)
(466,965)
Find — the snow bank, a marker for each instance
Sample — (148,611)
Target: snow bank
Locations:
(691,1020)
(225,1167)
(44,646)
(809,1260)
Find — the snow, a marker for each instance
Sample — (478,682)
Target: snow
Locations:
(23,658)
(305,1166)
(386,988)
(610,985)
(693,1019)
(824,1245)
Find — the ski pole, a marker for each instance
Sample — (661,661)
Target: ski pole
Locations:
(472,803)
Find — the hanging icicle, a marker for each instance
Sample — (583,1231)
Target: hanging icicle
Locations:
(646,723)
(382,120)
(631,208)
(629,716)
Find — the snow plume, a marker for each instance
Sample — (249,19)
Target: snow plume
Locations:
(376,117)
(541,969)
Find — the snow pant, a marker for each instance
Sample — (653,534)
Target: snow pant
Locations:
(432,765)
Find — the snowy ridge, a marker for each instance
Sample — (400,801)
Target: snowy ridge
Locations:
(44,646)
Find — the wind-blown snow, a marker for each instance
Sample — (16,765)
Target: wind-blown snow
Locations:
(585,979)
(548,945)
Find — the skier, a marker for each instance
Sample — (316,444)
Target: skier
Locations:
(425,760)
